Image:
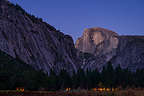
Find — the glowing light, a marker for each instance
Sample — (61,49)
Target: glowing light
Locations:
(20,89)
(94,89)
(100,89)
(107,89)
(68,89)
(113,89)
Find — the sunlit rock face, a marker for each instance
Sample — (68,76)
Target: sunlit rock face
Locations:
(98,41)
(105,45)
(35,42)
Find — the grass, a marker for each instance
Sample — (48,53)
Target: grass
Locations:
(128,92)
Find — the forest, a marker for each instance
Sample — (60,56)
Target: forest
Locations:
(15,73)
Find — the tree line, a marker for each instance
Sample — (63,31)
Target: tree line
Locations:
(15,73)
(30,79)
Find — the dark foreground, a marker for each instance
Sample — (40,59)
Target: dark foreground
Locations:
(129,92)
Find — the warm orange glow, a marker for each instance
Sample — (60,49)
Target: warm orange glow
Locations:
(100,89)
(68,89)
(113,89)
(103,89)
(107,89)
(94,89)
(20,89)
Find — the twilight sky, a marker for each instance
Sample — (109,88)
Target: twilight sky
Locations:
(126,17)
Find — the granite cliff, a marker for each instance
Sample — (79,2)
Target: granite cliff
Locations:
(105,45)
(35,42)
(130,53)
(30,39)
(98,41)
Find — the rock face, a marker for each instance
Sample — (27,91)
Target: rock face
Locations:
(35,42)
(105,45)
(98,41)
(130,52)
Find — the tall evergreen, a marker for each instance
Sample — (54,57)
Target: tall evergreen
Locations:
(15,73)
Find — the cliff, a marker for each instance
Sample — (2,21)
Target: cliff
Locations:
(33,41)
(105,45)
(30,39)
(130,53)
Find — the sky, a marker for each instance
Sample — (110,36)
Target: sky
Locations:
(126,17)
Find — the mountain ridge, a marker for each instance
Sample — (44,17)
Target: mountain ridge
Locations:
(40,45)
(35,42)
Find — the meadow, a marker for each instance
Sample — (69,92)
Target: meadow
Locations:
(128,92)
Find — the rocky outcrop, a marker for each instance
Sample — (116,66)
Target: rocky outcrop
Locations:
(105,45)
(98,41)
(35,42)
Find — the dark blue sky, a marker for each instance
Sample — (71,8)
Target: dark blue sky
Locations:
(126,17)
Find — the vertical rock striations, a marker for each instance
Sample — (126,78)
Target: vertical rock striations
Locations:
(35,42)
(106,45)
(130,53)
(99,42)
